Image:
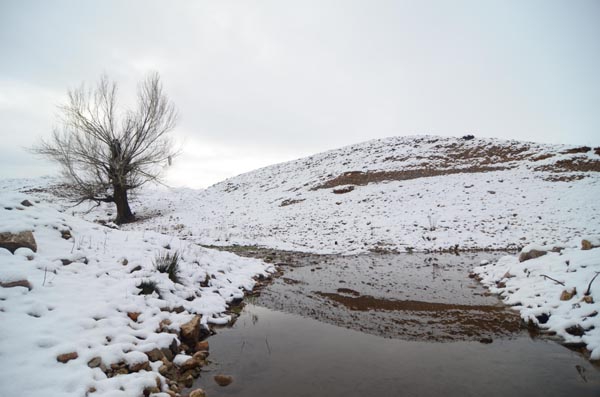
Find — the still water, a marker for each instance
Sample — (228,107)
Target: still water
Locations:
(388,325)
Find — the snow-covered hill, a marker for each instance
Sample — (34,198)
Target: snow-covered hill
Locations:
(401,193)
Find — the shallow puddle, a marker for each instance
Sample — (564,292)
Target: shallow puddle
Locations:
(414,297)
(388,325)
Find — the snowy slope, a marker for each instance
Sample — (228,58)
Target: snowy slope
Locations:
(422,193)
(78,288)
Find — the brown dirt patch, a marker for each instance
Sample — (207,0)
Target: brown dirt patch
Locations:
(572,165)
(492,154)
(564,178)
(581,149)
(542,157)
(348,291)
(361,178)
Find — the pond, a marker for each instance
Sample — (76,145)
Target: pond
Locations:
(388,325)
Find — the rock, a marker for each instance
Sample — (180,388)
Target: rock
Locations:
(168,370)
(543,318)
(139,367)
(155,355)
(468,137)
(575,330)
(201,355)
(95,362)
(151,390)
(190,331)
(588,299)
(197,393)
(18,283)
(202,346)
(163,326)
(532,254)
(587,245)
(14,241)
(174,387)
(567,295)
(26,203)
(66,234)
(223,380)
(187,380)
(174,347)
(116,366)
(486,341)
(508,275)
(133,316)
(191,363)
(66,357)
(168,353)
(136,269)
(343,190)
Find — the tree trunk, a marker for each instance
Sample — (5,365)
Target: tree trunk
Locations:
(124,214)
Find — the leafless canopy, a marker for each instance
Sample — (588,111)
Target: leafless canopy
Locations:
(100,149)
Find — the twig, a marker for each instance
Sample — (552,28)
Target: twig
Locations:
(553,279)
(268,347)
(590,284)
(45,271)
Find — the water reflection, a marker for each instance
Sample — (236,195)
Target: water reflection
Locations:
(288,355)
(416,297)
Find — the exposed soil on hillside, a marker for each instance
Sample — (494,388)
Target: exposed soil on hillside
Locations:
(572,165)
(361,178)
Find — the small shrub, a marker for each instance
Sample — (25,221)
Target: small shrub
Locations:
(168,263)
(147,287)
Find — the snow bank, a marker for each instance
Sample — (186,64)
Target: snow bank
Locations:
(84,281)
(552,292)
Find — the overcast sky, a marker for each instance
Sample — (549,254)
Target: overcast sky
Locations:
(259,82)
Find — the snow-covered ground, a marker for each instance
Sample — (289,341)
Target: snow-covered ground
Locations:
(81,290)
(491,194)
(405,193)
(557,291)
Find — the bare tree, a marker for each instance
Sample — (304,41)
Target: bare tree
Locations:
(105,154)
